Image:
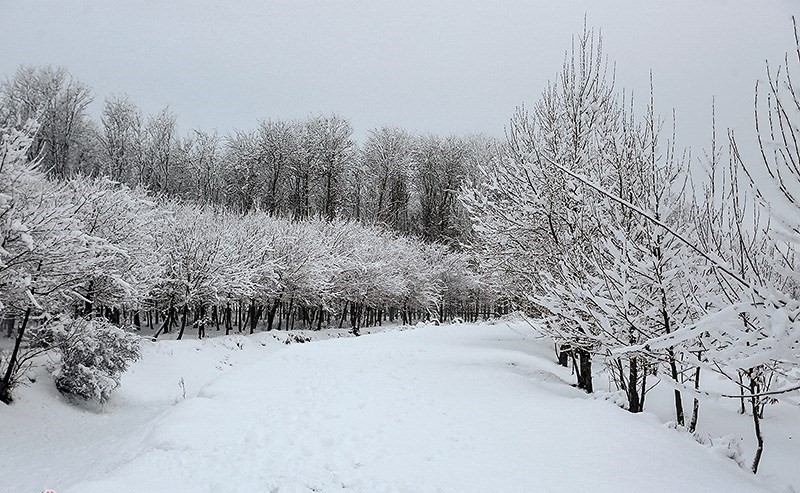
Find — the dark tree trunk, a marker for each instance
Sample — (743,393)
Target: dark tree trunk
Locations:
(215,316)
(673,366)
(584,370)
(633,385)
(115,316)
(184,315)
(254,315)
(271,314)
(6,383)
(644,370)
(755,405)
(563,355)
(228,319)
(344,315)
(355,319)
(695,403)
(167,321)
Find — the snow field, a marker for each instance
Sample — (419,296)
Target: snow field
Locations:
(462,408)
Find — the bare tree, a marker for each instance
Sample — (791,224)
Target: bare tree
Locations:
(58,101)
(121,140)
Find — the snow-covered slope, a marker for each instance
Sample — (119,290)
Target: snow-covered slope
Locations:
(460,408)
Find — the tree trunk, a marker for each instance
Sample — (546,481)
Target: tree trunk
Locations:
(755,404)
(228,319)
(584,370)
(271,314)
(695,403)
(215,316)
(644,370)
(563,355)
(344,315)
(167,322)
(633,385)
(184,314)
(679,415)
(6,384)
(254,315)
(741,398)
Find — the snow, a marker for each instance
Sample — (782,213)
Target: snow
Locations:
(452,408)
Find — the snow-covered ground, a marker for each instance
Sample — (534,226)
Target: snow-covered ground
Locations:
(460,408)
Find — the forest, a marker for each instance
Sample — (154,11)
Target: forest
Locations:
(291,224)
(590,218)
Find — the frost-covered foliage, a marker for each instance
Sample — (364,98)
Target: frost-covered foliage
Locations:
(595,224)
(94,355)
(93,247)
(314,268)
(537,225)
(47,255)
(130,221)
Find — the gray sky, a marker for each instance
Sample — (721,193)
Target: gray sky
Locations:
(440,66)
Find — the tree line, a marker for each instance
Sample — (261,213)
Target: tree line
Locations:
(86,247)
(598,224)
(292,169)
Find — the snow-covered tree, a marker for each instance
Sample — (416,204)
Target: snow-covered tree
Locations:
(46,254)
(204,264)
(387,161)
(59,102)
(130,221)
(121,140)
(533,222)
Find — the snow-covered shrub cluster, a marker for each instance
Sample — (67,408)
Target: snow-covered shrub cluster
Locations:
(618,398)
(94,355)
(728,446)
(593,222)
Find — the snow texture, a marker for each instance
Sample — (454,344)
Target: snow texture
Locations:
(459,408)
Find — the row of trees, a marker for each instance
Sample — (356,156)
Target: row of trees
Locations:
(296,169)
(88,247)
(593,222)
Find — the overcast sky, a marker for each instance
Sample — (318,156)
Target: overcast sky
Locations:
(441,66)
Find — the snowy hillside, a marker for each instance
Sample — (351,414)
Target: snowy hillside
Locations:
(460,408)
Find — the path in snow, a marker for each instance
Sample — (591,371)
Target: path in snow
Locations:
(435,409)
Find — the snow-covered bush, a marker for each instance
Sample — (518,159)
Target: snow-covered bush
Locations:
(729,446)
(617,397)
(94,355)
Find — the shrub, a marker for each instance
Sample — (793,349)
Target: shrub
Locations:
(94,355)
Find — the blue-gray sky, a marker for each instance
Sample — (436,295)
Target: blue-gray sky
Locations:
(441,66)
